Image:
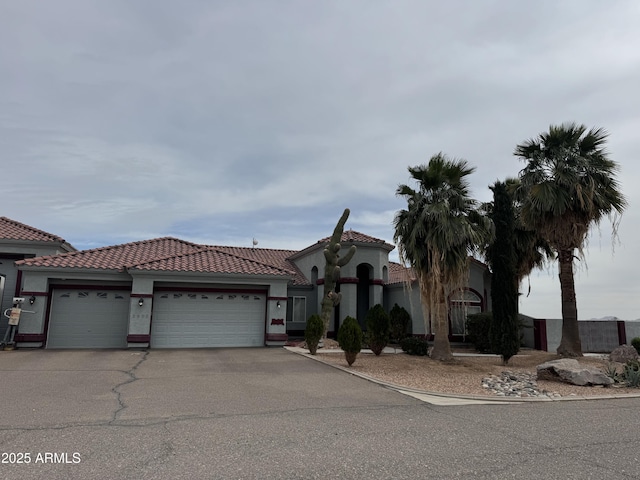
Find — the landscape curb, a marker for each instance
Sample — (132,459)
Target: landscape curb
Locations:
(401,388)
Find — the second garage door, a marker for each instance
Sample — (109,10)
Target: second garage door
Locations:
(199,320)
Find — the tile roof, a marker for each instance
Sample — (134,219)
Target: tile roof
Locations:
(12,230)
(212,260)
(116,257)
(275,257)
(357,237)
(399,273)
(172,254)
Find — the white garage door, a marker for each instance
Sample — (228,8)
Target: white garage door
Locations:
(88,319)
(197,320)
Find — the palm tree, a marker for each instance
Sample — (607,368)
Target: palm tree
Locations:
(567,186)
(436,234)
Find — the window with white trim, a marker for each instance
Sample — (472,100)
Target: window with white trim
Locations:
(462,304)
(297,309)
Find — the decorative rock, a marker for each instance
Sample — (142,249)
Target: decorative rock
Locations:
(623,354)
(509,384)
(570,371)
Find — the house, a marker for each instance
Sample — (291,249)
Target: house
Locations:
(17,242)
(170,293)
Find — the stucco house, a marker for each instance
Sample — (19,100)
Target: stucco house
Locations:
(170,293)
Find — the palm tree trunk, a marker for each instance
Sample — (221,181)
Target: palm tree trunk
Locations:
(570,345)
(441,346)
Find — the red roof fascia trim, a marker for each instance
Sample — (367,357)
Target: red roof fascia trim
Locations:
(212,289)
(349,280)
(93,287)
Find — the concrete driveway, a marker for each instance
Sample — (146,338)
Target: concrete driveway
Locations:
(268,413)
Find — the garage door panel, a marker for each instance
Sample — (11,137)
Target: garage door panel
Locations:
(88,319)
(189,320)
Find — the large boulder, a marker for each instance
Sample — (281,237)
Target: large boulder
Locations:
(568,370)
(623,354)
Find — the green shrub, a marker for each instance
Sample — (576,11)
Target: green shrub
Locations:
(635,342)
(313,333)
(478,326)
(631,373)
(378,325)
(350,339)
(415,346)
(400,323)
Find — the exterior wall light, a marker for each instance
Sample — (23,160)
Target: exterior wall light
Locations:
(278,304)
(32,299)
(141,301)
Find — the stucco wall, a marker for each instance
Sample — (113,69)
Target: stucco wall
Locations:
(632,330)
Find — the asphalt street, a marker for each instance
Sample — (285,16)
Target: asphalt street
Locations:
(271,414)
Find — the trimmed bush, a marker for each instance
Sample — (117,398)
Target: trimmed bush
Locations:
(378,325)
(415,346)
(350,339)
(313,333)
(478,326)
(635,343)
(400,323)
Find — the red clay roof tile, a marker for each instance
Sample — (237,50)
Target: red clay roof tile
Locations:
(12,230)
(115,257)
(212,260)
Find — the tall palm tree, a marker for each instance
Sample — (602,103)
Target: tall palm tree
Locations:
(436,234)
(567,186)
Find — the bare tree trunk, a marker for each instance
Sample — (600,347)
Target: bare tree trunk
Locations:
(570,345)
(441,346)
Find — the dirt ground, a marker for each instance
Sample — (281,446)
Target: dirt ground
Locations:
(463,375)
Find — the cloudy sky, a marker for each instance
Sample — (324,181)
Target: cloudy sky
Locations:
(218,121)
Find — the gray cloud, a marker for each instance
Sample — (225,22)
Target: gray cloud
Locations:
(221,121)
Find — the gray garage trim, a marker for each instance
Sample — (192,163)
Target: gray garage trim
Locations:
(88,318)
(201,319)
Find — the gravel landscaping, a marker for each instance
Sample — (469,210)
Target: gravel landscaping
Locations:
(472,375)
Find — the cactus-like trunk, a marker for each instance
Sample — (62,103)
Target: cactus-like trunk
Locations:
(333,262)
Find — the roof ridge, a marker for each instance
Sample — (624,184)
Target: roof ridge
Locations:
(127,244)
(250,259)
(33,229)
(198,249)
(255,248)
(210,248)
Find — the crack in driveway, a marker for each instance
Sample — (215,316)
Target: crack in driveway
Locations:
(116,389)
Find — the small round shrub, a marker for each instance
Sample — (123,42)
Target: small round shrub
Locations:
(415,346)
(350,339)
(635,343)
(313,333)
(400,322)
(378,325)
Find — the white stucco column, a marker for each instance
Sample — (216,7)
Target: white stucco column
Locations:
(276,329)
(139,334)
(349,302)
(31,327)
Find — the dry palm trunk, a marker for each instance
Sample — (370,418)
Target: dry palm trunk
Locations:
(570,345)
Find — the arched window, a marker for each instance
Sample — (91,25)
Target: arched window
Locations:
(461,304)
